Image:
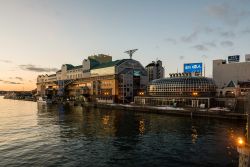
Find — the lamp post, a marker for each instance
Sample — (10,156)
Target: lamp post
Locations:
(243,143)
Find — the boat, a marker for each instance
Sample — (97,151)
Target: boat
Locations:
(44,100)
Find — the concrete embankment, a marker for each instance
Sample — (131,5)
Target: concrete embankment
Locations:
(190,112)
(173,111)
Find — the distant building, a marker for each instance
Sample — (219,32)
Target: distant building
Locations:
(98,79)
(233,82)
(180,89)
(224,73)
(155,70)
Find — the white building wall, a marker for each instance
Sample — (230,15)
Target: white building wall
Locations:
(64,72)
(58,76)
(224,73)
(86,64)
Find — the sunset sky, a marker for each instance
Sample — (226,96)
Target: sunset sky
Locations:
(38,36)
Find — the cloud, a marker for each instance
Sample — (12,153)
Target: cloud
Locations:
(218,10)
(200,47)
(170,40)
(191,37)
(19,78)
(227,34)
(227,43)
(10,82)
(30,67)
(13,83)
(181,57)
(195,34)
(204,56)
(5,61)
(157,47)
(246,31)
(227,13)
(211,44)
(208,29)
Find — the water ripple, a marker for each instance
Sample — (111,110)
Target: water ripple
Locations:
(33,135)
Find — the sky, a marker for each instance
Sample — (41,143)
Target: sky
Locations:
(37,37)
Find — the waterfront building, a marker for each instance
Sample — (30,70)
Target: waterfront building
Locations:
(224,72)
(55,84)
(155,70)
(180,89)
(98,79)
(232,78)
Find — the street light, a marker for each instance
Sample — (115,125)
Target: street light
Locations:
(240,142)
(195,94)
(141,93)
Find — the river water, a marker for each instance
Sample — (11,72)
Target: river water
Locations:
(36,135)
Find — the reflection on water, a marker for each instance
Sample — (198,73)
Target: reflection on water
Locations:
(194,135)
(57,135)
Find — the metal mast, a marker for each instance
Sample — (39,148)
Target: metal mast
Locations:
(131,52)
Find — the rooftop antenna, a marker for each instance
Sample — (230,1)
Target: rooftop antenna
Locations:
(131,52)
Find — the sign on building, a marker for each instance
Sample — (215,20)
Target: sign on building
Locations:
(193,67)
(234,58)
(137,73)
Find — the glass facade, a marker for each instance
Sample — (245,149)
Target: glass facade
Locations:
(182,87)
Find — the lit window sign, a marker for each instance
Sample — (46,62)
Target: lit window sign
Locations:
(193,67)
(235,58)
(137,73)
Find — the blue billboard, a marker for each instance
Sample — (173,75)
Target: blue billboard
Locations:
(193,67)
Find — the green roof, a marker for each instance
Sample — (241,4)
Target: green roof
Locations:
(76,67)
(69,66)
(93,63)
(110,64)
